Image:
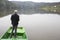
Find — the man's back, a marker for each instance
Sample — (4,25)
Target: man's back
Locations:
(15,19)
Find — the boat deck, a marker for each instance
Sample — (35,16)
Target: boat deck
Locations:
(21,35)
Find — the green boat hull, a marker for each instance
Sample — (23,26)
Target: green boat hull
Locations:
(21,35)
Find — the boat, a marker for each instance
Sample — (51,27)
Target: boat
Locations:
(21,34)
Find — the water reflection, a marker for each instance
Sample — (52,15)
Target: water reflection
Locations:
(38,26)
(28,12)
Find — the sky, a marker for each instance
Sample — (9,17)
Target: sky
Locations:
(38,0)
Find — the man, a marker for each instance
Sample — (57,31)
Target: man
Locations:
(14,21)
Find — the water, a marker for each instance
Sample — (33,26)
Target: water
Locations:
(38,26)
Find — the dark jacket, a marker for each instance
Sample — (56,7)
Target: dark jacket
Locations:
(14,19)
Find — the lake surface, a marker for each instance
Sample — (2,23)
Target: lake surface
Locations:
(37,26)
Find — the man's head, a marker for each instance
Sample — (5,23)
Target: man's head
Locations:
(15,11)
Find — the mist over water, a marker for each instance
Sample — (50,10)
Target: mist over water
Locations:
(37,26)
(40,20)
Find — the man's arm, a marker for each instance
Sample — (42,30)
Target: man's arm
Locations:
(18,18)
